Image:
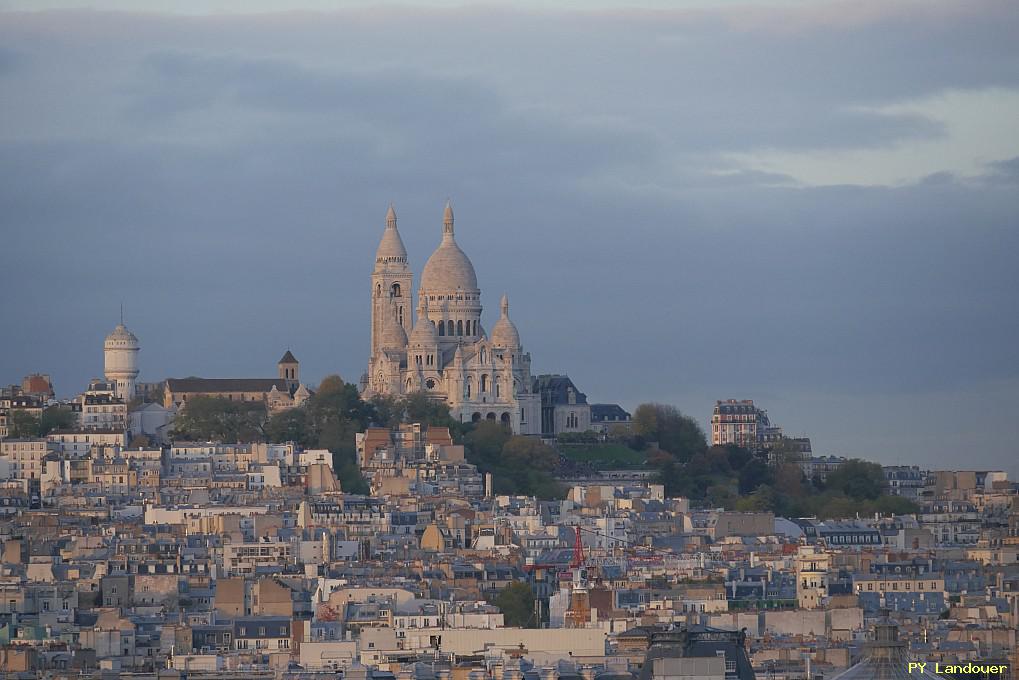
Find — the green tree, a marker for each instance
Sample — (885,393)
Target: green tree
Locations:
(418,407)
(790,481)
(56,417)
(516,602)
(676,433)
(529,453)
(215,418)
(291,426)
(485,442)
(754,474)
(858,479)
(22,424)
(388,410)
(763,498)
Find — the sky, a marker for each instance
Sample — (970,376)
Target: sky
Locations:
(814,205)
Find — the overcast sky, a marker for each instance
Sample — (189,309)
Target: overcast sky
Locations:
(814,205)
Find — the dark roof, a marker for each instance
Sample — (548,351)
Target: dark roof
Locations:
(288,358)
(601,412)
(554,389)
(225,384)
(699,641)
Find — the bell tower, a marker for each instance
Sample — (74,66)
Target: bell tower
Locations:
(392,283)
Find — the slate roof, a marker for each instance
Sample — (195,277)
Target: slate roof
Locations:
(610,412)
(554,389)
(225,384)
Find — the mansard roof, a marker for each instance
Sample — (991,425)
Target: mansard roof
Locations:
(225,384)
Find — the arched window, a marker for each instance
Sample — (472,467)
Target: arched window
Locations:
(482,355)
(378,290)
(475,417)
(505,417)
(442,328)
(467,388)
(395,290)
(449,328)
(497,389)
(460,327)
(401,314)
(484,382)
(490,416)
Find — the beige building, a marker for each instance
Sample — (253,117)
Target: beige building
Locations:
(811,577)
(446,351)
(25,457)
(738,422)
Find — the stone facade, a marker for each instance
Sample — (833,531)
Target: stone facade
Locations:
(445,351)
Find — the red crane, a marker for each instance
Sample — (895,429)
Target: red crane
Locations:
(578,551)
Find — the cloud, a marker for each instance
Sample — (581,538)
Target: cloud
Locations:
(1003,172)
(227,178)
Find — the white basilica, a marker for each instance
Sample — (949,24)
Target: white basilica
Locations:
(445,351)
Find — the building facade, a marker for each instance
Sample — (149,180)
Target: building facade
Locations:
(444,351)
(738,422)
(120,355)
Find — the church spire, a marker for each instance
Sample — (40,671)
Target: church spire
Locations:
(391,251)
(447,219)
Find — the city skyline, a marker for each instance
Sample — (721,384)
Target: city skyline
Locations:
(841,255)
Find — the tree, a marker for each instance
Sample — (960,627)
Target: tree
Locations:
(388,410)
(529,453)
(790,481)
(291,426)
(678,434)
(858,479)
(22,424)
(516,602)
(485,442)
(763,498)
(215,418)
(56,417)
(753,475)
(419,407)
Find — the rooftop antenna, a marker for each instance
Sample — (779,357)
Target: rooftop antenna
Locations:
(122,313)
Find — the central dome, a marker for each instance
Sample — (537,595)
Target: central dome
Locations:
(449,268)
(121,338)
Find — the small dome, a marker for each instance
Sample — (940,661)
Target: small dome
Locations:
(121,338)
(391,249)
(448,269)
(424,332)
(504,332)
(393,335)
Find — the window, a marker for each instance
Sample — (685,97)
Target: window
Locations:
(460,327)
